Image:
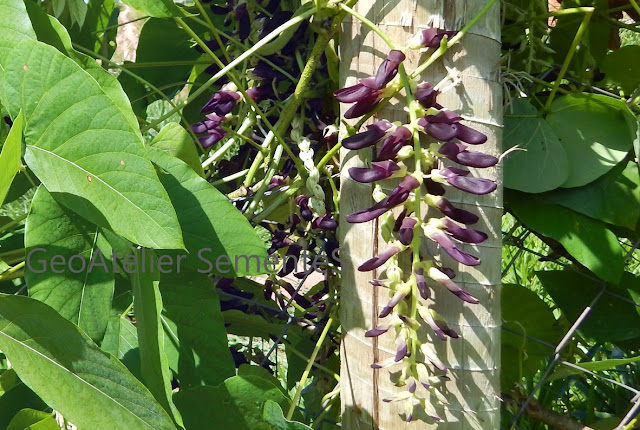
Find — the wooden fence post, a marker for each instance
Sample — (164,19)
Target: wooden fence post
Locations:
(473,359)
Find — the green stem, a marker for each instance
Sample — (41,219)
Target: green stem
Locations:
(567,61)
(246,124)
(257,197)
(230,178)
(13,223)
(13,273)
(305,374)
(283,197)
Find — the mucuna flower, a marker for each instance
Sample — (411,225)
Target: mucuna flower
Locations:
(379,260)
(426,96)
(215,135)
(388,69)
(221,102)
(458,153)
(392,144)
(375,132)
(446,125)
(443,279)
(458,179)
(399,195)
(430,38)
(441,238)
(379,170)
(456,214)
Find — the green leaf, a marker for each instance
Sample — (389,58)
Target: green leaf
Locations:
(540,163)
(593,366)
(156,8)
(243,324)
(274,416)
(121,341)
(613,198)
(84,150)
(100,15)
(196,338)
(79,292)
(70,373)
(610,320)
(30,419)
(10,157)
(622,67)
(260,372)
(163,40)
(153,361)
(14,26)
(176,141)
(15,396)
(237,404)
(588,241)
(214,230)
(78,11)
(524,312)
(594,132)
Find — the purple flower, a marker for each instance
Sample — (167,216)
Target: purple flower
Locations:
(443,279)
(210,123)
(405,233)
(399,195)
(325,222)
(437,323)
(374,133)
(221,102)
(449,247)
(388,69)
(446,125)
(458,152)
(432,37)
(392,144)
(303,204)
(264,71)
(458,179)
(380,170)
(291,259)
(377,331)
(426,96)
(379,260)
(261,92)
(244,23)
(399,295)
(456,214)
(402,348)
(421,282)
(212,138)
(463,234)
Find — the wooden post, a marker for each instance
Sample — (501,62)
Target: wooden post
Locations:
(473,359)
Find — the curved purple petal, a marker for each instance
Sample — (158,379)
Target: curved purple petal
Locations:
(212,138)
(421,282)
(405,233)
(362,107)
(388,69)
(456,214)
(434,188)
(464,234)
(377,331)
(451,150)
(379,260)
(380,170)
(426,96)
(469,135)
(476,159)
(353,93)
(222,102)
(441,131)
(462,257)
(478,186)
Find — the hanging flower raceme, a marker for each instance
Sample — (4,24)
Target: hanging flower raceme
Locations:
(399,195)
(221,102)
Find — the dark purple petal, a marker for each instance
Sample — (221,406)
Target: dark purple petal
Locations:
(362,107)
(291,259)
(374,133)
(377,331)
(393,143)
(441,131)
(464,234)
(388,69)
(434,188)
(444,117)
(409,183)
(259,93)
(354,93)
(460,215)
(476,159)
(443,279)
(451,150)
(325,222)
(380,170)
(426,96)
(366,215)
(447,271)
(476,186)
(199,127)
(469,135)
(275,182)
(385,312)
(441,239)
(212,138)
(214,120)
(244,23)
(462,257)
(265,71)
(398,222)
(405,234)
(450,172)
(432,37)
(401,350)
(221,102)
(379,260)
(421,282)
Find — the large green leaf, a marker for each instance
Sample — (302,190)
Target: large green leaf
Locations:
(540,162)
(610,320)
(153,360)
(175,140)
(78,290)
(84,150)
(121,341)
(10,157)
(214,230)
(613,198)
(524,312)
(594,132)
(156,8)
(588,241)
(30,419)
(237,404)
(622,67)
(163,40)
(14,396)
(196,338)
(70,373)
(14,26)
(274,416)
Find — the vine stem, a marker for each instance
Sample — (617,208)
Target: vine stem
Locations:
(13,223)
(216,156)
(565,66)
(305,374)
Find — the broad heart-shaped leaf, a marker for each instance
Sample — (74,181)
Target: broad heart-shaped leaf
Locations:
(83,148)
(594,132)
(613,198)
(237,404)
(153,361)
(274,416)
(587,240)
(526,313)
(14,26)
(30,419)
(164,40)
(214,230)
(10,157)
(622,67)
(540,163)
(195,335)
(610,320)
(70,373)
(156,8)
(176,141)
(121,341)
(61,247)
